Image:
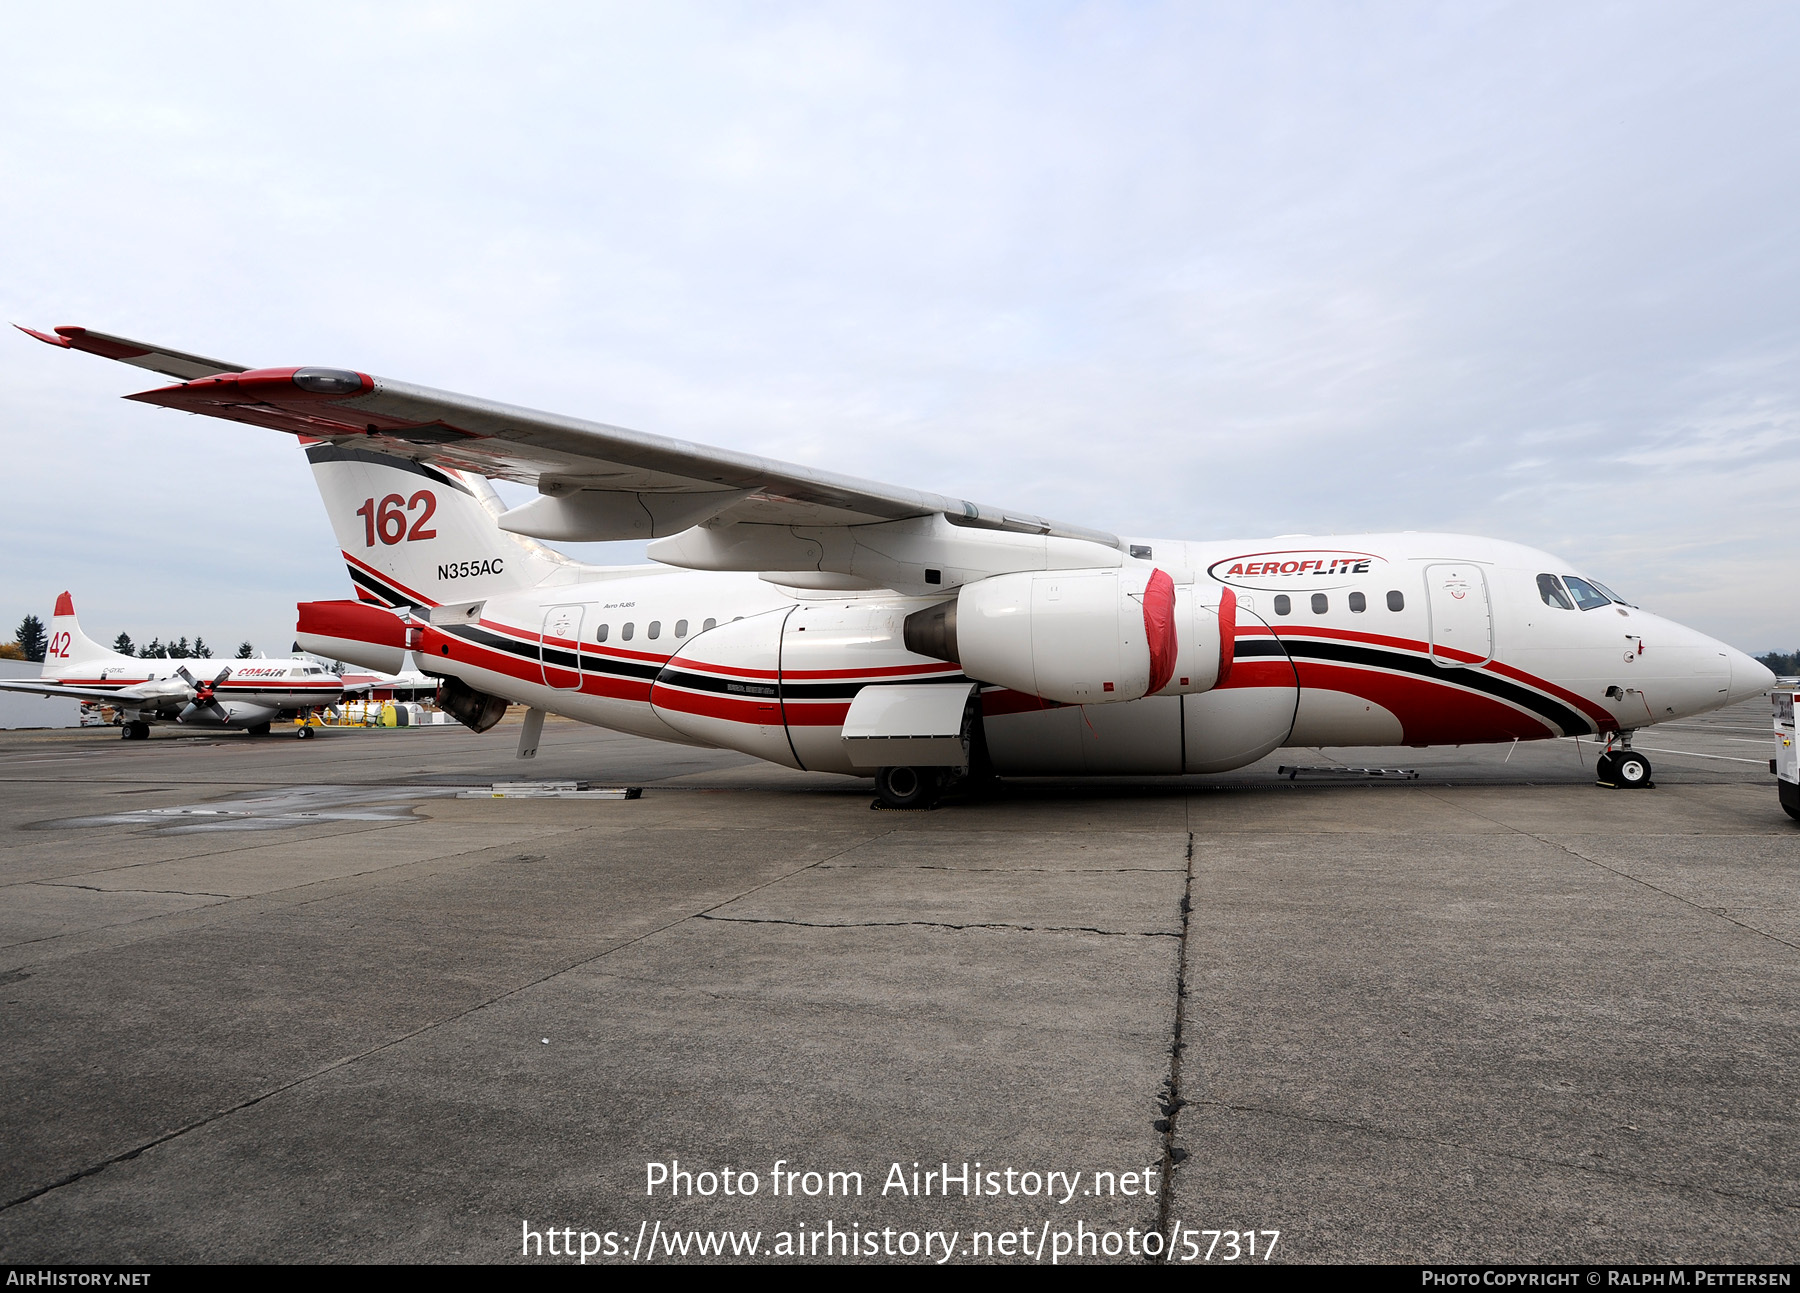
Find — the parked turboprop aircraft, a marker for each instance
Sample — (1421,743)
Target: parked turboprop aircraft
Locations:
(240,693)
(840,625)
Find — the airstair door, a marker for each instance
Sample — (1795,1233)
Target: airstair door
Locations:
(1462,626)
(558,655)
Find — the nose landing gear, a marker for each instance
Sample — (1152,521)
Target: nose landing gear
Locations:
(1622,768)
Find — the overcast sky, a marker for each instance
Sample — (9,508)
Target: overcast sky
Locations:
(1527,271)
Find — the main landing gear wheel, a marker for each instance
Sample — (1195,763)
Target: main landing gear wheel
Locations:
(1623,770)
(134,732)
(304,733)
(258,729)
(907,787)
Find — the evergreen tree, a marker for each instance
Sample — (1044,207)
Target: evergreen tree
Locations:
(155,651)
(179,650)
(123,644)
(245,651)
(31,638)
(200,650)
(1784,665)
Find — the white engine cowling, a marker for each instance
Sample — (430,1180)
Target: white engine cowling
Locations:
(1087,637)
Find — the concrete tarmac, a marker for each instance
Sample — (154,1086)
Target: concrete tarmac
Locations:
(273,1000)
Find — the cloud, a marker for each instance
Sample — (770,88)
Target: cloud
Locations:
(1193,271)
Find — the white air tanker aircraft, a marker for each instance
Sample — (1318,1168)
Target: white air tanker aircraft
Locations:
(840,625)
(242,693)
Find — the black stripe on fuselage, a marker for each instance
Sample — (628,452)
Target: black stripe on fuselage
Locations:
(834,690)
(556,657)
(1558,715)
(669,675)
(317,453)
(1249,648)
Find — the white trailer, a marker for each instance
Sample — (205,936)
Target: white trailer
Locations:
(1786,763)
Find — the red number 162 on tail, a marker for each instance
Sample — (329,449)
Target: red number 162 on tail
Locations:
(387,520)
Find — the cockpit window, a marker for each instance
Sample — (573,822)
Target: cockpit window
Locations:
(1610,593)
(1586,595)
(1551,590)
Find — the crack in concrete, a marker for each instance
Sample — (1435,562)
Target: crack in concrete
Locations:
(938,924)
(1172,1155)
(129,1154)
(358,828)
(1719,913)
(267,894)
(94,888)
(1007,870)
(1716,912)
(1541,1160)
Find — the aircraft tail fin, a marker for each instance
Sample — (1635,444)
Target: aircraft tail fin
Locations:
(419,535)
(67,646)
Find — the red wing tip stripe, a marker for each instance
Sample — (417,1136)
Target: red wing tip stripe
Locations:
(45,337)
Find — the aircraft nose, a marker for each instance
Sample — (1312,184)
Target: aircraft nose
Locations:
(1748,677)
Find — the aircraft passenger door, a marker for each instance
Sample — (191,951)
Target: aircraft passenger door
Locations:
(1456,597)
(557,653)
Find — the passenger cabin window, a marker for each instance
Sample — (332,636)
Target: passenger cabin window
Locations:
(1282,605)
(600,633)
(1587,596)
(655,629)
(1396,600)
(710,625)
(680,628)
(625,632)
(1358,603)
(1551,590)
(1320,603)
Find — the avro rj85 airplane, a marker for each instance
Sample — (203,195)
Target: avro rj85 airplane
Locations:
(248,694)
(840,625)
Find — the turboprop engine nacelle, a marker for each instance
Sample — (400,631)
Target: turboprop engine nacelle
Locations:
(1081,637)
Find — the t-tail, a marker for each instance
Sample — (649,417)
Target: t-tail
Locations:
(419,536)
(68,650)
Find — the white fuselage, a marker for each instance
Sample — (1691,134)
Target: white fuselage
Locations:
(1364,640)
(254,691)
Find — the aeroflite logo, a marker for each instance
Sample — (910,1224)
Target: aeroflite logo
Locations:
(1308,567)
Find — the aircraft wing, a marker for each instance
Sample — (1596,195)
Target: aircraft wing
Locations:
(158,359)
(114,695)
(598,481)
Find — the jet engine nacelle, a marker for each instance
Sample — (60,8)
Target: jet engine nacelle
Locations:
(1081,637)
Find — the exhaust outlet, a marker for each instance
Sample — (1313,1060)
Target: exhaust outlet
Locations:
(932,632)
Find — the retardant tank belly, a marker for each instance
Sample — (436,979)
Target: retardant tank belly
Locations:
(1138,738)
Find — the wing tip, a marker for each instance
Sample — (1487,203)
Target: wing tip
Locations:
(46,337)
